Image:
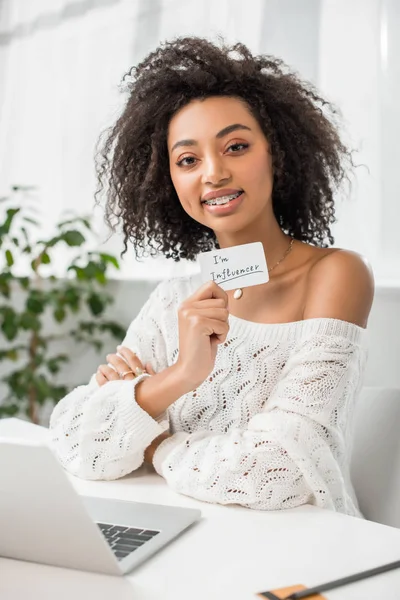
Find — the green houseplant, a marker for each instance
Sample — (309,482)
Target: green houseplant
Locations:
(46,302)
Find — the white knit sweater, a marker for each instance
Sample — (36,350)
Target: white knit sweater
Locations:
(270,428)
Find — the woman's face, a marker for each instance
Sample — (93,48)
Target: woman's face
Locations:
(216,145)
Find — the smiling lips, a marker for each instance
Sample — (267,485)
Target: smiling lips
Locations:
(226,206)
(220,194)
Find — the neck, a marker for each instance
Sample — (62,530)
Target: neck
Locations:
(267,231)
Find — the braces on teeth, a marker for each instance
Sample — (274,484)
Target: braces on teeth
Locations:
(223,199)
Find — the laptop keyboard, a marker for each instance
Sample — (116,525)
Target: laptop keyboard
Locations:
(124,540)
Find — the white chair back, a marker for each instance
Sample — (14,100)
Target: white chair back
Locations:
(375,463)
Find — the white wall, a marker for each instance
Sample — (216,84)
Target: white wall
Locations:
(349,75)
(359,69)
(384,338)
(389,85)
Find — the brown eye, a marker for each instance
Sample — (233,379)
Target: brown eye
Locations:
(242,147)
(180,162)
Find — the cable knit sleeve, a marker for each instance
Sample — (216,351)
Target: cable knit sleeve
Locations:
(295,451)
(101,432)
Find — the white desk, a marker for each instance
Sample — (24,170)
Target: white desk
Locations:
(229,555)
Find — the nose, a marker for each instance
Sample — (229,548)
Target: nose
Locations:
(215,171)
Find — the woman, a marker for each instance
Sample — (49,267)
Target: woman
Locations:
(246,397)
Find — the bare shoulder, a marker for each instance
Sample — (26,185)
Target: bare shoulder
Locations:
(340,285)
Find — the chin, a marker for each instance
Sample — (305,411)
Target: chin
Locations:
(234,226)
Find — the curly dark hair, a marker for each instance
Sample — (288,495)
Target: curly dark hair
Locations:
(309,159)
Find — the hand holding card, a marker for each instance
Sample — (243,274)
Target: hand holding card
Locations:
(203,317)
(203,325)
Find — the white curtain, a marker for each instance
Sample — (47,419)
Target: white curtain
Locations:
(389,86)
(359,70)
(61,62)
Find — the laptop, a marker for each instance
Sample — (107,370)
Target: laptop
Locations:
(43,519)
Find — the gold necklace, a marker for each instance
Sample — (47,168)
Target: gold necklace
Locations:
(239,292)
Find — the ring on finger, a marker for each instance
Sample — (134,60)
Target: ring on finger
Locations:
(138,371)
(123,373)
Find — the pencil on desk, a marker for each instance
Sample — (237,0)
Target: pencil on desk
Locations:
(324,587)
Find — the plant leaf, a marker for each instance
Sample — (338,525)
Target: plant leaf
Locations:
(24,282)
(96,304)
(51,242)
(10,328)
(5,287)
(115,329)
(101,278)
(59,314)
(25,234)
(10,353)
(31,221)
(72,298)
(9,410)
(73,238)
(42,388)
(58,392)
(87,223)
(36,302)
(54,364)
(79,272)
(29,321)
(108,258)
(23,188)
(9,258)
(6,226)
(91,269)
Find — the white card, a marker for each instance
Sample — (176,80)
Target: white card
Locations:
(235,267)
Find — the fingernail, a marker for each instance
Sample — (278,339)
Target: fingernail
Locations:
(119,347)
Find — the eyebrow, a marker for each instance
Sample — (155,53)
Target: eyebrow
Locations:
(219,135)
